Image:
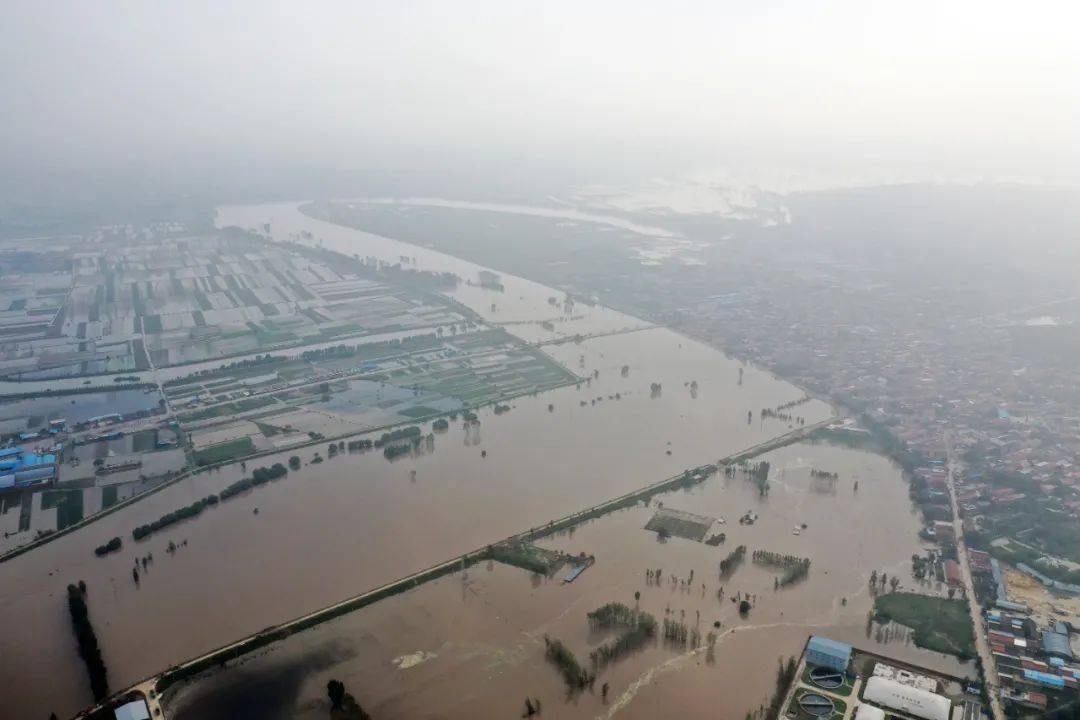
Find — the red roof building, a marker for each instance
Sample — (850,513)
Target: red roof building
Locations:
(979,561)
(944,531)
(952,573)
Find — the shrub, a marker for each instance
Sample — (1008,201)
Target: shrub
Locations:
(111,546)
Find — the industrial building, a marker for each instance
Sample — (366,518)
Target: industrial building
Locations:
(1033,664)
(913,701)
(828,653)
(875,687)
(20,468)
(1055,643)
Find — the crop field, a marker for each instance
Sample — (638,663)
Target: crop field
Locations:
(360,388)
(939,624)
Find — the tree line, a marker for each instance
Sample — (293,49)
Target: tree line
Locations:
(111,546)
(88,643)
(259,476)
(729,564)
(638,628)
(795,568)
(576,677)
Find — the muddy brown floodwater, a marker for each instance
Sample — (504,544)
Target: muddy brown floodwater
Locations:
(471,645)
(335,529)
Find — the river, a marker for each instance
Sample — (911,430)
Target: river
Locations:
(334,529)
(471,645)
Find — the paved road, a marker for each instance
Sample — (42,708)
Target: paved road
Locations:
(990,675)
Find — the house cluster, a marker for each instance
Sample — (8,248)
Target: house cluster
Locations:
(1033,663)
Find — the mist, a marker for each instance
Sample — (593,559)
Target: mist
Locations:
(490,99)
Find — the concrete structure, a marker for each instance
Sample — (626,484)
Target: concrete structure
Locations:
(905,677)
(1013,606)
(909,700)
(828,653)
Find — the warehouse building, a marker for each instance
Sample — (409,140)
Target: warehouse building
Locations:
(909,700)
(1056,644)
(21,469)
(828,653)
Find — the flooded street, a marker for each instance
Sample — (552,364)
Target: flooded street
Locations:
(472,645)
(334,529)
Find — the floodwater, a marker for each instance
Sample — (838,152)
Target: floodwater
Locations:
(338,528)
(564,213)
(79,408)
(522,306)
(472,645)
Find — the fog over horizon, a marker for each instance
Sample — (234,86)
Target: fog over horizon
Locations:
(488,99)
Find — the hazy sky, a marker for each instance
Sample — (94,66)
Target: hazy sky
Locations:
(276,95)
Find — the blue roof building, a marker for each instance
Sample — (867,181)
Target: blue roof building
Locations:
(828,653)
(1054,681)
(20,468)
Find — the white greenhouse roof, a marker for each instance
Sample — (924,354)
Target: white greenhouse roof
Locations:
(910,700)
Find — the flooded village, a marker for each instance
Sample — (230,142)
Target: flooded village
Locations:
(513,405)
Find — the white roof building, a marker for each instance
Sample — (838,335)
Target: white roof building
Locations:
(906,699)
(133,711)
(869,712)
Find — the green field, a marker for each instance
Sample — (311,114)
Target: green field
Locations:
(224,451)
(418,411)
(144,440)
(228,408)
(108,496)
(68,504)
(938,623)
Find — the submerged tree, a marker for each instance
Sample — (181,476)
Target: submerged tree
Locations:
(343,706)
(336,690)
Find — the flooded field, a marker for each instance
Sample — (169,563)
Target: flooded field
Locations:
(656,404)
(334,529)
(472,645)
(522,305)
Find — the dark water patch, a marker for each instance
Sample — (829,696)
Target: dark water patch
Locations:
(269,692)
